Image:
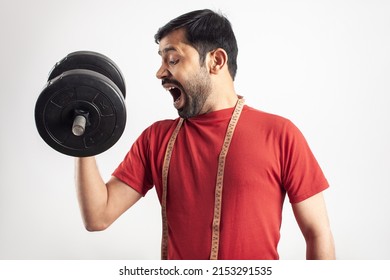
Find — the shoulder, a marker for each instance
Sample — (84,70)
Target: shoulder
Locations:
(266,120)
(160,128)
(163,124)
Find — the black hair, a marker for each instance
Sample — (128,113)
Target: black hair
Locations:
(205,31)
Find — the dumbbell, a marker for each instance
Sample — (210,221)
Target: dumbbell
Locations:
(81,110)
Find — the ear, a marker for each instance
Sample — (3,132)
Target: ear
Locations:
(218,60)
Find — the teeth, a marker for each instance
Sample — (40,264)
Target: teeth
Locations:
(169,88)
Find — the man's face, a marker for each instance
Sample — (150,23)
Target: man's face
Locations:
(182,75)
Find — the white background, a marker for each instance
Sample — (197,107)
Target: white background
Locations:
(323,64)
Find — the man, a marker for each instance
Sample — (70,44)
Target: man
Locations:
(221,170)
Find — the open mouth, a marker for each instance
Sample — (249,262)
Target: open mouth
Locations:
(177,95)
(175,92)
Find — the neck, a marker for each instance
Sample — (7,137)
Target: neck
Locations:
(223,94)
(220,101)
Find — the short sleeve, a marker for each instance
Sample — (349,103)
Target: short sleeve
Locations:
(302,176)
(135,168)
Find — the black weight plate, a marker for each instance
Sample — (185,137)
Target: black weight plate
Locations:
(91,61)
(80,90)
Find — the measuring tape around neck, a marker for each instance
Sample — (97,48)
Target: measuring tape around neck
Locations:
(218,187)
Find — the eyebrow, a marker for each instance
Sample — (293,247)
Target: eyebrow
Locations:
(167,49)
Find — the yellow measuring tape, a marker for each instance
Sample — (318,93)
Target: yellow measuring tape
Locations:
(218,187)
(167,159)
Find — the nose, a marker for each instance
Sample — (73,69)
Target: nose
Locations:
(162,72)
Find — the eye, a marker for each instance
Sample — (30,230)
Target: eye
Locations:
(173,62)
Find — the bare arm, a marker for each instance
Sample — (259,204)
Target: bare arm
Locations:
(313,221)
(100,203)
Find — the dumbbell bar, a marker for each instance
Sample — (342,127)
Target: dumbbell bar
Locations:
(81,110)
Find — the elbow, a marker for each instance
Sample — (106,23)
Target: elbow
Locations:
(93,227)
(94,222)
(321,247)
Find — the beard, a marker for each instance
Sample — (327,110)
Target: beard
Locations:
(196,90)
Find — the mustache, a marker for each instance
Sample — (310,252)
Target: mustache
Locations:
(171,81)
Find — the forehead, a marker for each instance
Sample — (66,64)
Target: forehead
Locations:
(174,41)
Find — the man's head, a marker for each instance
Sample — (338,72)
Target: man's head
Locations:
(205,30)
(195,68)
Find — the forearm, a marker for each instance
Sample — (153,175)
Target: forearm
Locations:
(320,247)
(91,192)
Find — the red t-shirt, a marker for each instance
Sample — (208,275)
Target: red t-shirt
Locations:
(268,157)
